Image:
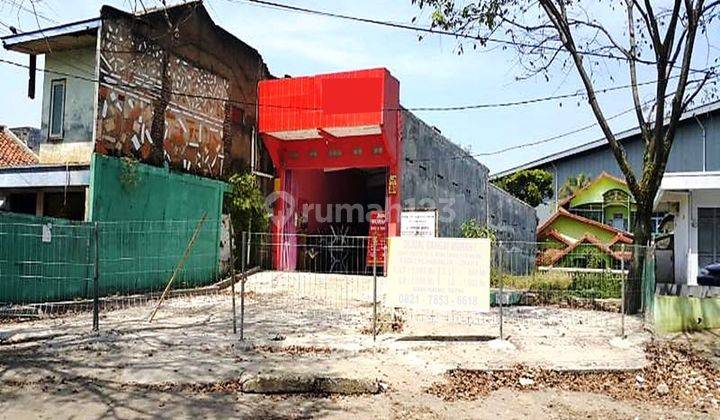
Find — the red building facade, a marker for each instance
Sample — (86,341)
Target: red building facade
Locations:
(335,141)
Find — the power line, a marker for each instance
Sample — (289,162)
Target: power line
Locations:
(482,39)
(251,103)
(553,138)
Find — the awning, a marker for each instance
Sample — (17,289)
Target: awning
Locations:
(45,176)
(679,182)
(70,35)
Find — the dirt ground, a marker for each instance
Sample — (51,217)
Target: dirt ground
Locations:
(310,325)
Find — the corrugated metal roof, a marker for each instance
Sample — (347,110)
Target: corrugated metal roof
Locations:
(621,136)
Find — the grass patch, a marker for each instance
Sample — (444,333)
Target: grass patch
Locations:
(603,285)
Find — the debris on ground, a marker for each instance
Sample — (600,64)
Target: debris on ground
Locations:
(293,350)
(386,324)
(677,375)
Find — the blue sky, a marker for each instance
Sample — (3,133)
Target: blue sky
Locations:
(430,71)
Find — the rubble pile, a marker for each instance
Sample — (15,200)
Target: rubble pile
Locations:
(675,375)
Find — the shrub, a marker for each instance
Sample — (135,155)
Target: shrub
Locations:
(601,285)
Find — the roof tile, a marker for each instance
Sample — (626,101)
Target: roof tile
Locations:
(13,152)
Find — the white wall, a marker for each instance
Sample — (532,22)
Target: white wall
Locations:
(80,98)
(686,232)
(698,198)
(682,241)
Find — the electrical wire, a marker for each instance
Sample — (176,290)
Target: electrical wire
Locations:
(434,31)
(710,70)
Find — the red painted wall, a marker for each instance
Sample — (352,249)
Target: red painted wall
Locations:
(331,121)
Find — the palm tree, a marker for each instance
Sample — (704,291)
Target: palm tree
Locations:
(574,184)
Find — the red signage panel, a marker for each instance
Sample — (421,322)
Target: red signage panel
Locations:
(377,237)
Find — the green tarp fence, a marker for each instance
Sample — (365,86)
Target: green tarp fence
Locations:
(145,217)
(46,260)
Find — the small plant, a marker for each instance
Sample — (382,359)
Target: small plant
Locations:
(473,229)
(129,174)
(245,203)
(541,281)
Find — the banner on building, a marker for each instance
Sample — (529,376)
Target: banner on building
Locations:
(419,223)
(440,274)
(377,237)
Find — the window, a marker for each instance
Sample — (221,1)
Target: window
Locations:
(708,231)
(618,221)
(57,109)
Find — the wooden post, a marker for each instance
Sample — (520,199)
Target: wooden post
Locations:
(180,264)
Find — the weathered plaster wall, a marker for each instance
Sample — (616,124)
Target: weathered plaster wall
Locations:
(436,173)
(206,76)
(510,218)
(61,152)
(79,105)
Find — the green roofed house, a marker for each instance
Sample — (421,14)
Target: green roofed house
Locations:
(589,226)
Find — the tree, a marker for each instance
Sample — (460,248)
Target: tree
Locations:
(583,35)
(246,205)
(573,184)
(471,228)
(532,186)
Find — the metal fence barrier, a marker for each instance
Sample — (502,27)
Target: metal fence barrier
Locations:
(54,264)
(320,278)
(312,281)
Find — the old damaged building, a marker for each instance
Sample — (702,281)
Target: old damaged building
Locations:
(167,88)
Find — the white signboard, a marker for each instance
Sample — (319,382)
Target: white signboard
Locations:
(444,274)
(418,223)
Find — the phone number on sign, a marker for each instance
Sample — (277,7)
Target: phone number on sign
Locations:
(437,300)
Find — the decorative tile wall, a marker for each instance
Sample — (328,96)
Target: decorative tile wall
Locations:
(133,89)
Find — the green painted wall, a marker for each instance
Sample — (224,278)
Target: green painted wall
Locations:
(576,229)
(611,210)
(143,229)
(147,216)
(680,313)
(149,193)
(594,193)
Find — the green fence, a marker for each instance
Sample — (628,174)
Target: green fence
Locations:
(140,256)
(46,260)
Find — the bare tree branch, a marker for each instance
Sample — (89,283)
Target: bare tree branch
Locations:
(556,17)
(633,72)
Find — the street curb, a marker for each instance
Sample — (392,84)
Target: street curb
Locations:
(309,384)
